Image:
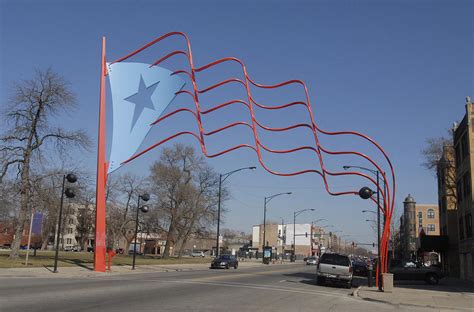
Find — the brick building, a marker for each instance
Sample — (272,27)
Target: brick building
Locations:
(281,237)
(446,174)
(463,140)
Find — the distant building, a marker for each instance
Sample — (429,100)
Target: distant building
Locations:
(417,217)
(463,146)
(446,174)
(281,238)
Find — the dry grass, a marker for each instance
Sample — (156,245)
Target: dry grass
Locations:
(68,259)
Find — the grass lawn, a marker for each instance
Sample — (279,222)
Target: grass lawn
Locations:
(67,259)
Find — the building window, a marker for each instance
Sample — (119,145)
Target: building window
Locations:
(431,228)
(461,229)
(431,214)
(71,221)
(466,181)
(458,154)
(420,214)
(465,146)
(459,191)
(69,231)
(468,220)
(68,240)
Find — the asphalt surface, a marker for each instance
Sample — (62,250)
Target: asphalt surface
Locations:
(264,288)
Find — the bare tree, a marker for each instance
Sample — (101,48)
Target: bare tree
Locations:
(85,216)
(122,194)
(433,152)
(8,202)
(131,186)
(45,196)
(186,189)
(440,160)
(29,133)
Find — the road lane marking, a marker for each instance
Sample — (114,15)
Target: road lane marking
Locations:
(238,275)
(260,287)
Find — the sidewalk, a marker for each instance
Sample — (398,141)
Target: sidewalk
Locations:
(450,294)
(87,271)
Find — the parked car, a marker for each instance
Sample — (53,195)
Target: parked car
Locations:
(415,271)
(137,248)
(225,262)
(359,268)
(197,254)
(336,268)
(312,261)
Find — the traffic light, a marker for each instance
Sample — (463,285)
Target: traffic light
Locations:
(306,234)
(373,244)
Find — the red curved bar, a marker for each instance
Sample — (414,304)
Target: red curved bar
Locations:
(167,56)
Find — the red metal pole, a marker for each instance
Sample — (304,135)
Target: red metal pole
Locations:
(99,255)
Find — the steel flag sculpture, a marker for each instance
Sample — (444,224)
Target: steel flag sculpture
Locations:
(146,85)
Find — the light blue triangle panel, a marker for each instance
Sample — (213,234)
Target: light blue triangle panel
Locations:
(140,95)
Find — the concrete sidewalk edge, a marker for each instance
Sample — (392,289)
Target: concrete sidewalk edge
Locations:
(356,295)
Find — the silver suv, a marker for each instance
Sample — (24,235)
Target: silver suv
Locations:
(334,267)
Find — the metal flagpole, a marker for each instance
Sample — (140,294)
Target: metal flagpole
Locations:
(100,236)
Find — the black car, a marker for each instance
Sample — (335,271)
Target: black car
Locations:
(359,268)
(415,271)
(225,262)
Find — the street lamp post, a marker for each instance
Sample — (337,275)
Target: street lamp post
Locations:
(366,193)
(222,178)
(265,202)
(145,197)
(69,192)
(295,214)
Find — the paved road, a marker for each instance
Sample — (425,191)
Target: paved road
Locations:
(263,288)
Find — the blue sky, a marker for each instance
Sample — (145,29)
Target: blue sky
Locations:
(395,70)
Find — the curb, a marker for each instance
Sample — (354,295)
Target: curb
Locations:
(355,294)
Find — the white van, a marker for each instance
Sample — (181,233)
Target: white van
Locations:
(334,267)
